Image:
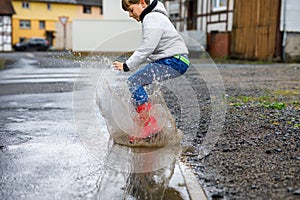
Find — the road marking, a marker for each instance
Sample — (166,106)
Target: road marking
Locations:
(40,76)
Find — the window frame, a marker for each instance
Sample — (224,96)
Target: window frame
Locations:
(174,10)
(216,5)
(49,6)
(22,21)
(87,9)
(43,23)
(25,4)
(174,16)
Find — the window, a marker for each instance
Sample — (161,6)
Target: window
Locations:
(25,4)
(218,5)
(1,20)
(174,10)
(25,24)
(42,25)
(174,16)
(49,6)
(87,9)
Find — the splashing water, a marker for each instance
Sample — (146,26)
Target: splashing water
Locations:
(113,100)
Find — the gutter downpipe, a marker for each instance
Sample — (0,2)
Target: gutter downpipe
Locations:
(284,32)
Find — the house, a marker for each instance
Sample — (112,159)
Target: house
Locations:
(6,13)
(256,29)
(205,21)
(52,19)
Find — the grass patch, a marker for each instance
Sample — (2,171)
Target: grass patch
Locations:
(296,126)
(275,99)
(263,101)
(286,92)
(273,105)
(2,63)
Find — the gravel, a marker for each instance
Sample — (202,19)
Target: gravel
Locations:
(258,154)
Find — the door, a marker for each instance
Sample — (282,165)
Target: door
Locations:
(255,29)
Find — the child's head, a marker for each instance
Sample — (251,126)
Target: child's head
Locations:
(127,3)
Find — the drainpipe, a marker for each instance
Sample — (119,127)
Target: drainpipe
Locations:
(284,32)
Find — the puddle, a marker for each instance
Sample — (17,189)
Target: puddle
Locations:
(125,183)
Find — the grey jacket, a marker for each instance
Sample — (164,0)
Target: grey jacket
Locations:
(160,38)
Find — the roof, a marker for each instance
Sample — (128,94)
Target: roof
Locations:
(6,7)
(80,2)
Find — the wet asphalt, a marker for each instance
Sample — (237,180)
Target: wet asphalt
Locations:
(43,156)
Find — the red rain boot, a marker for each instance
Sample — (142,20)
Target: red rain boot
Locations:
(149,123)
(150,127)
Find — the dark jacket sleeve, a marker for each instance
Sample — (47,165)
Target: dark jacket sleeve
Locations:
(125,67)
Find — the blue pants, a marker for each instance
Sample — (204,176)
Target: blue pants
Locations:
(160,70)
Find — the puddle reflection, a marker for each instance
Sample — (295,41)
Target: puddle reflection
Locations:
(137,176)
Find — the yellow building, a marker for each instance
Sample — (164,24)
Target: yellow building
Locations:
(51,19)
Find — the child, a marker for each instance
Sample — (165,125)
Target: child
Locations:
(165,50)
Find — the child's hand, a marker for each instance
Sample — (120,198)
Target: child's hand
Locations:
(118,65)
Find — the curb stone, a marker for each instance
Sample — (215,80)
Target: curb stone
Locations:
(193,186)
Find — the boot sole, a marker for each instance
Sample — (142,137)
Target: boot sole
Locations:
(146,139)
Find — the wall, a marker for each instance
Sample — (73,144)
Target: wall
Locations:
(115,33)
(106,35)
(218,44)
(5,37)
(215,17)
(112,9)
(292,15)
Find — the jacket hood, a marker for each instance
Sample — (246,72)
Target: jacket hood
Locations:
(154,6)
(160,8)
